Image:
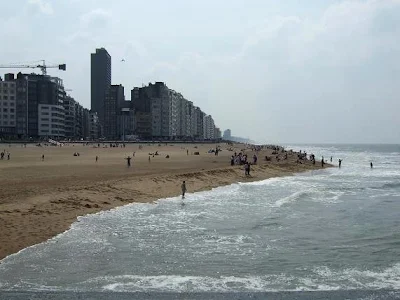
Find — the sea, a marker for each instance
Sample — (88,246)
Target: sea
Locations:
(323,234)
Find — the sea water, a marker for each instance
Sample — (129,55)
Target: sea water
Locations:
(326,230)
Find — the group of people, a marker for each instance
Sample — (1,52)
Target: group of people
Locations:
(3,154)
(241,159)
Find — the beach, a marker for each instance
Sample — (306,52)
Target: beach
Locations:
(40,198)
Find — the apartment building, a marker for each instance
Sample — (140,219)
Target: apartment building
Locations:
(8,103)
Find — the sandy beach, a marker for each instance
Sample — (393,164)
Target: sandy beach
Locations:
(40,199)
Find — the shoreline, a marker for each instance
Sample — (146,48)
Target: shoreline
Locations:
(44,212)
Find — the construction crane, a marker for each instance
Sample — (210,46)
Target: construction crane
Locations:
(43,67)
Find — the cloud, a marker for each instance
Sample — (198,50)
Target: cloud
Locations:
(93,28)
(303,73)
(96,19)
(44,6)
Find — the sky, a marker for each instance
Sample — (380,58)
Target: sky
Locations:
(293,71)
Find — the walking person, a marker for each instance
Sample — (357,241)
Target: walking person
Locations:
(42,157)
(340,163)
(128,161)
(247,169)
(183,188)
(97,158)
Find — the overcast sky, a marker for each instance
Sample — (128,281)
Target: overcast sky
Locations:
(276,71)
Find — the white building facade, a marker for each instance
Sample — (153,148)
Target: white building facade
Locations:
(209,127)
(51,120)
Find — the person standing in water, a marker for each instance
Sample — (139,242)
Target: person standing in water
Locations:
(340,163)
(372,165)
(183,188)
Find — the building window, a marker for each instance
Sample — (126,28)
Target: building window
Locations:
(45,119)
(5,109)
(11,122)
(12,110)
(5,97)
(12,104)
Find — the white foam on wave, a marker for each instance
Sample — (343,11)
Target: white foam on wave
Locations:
(322,279)
(388,278)
(311,195)
(291,198)
(171,283)
(270,181)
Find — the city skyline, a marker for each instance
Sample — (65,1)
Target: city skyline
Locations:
(325,71)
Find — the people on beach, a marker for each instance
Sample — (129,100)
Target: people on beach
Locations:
(187,151)
(247,169)
(322,162)
(183,188)
(128,161)
(8,156)
(149,158)
(331,158)
(97,158)
(340,163)
(42,157)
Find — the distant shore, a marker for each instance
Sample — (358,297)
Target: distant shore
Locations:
(42,198)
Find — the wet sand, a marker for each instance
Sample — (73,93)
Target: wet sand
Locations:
(40,199)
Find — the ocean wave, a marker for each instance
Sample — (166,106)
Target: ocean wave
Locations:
(327,196)
(386,186)
(319,279)
(291,198)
